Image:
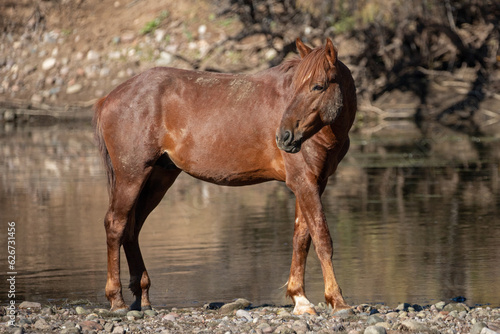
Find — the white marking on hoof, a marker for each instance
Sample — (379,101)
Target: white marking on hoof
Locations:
(302,306)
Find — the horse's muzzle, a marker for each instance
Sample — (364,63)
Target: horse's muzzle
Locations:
(288,142)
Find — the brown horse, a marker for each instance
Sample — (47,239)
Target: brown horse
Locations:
(288,123)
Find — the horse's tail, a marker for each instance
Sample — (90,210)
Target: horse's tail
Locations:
(96,121)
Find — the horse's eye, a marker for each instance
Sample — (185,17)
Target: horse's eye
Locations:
(318,88)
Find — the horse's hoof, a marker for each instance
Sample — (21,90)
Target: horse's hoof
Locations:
(304,309)
(146,308)
(303,306)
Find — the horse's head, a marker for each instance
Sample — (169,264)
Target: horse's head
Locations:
(317,98)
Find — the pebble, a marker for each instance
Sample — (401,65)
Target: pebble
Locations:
(41,324)
(90,326)
(344,313)
(486,330)
(127,37)
(165,59)
(236,305)
(135,314)
(413,325)
(48,63)
(244,314)
(375,330)
(92,55)
(73,89)
(151,313)
(477,328)
(118,330)
(374,319)
(440,305)
(30,305)
(80,310)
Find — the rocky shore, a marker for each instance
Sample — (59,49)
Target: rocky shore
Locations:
(241,317)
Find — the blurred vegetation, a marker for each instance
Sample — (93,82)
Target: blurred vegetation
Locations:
(151,26)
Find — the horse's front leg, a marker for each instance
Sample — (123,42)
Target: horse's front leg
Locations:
(309,203)
(296,286)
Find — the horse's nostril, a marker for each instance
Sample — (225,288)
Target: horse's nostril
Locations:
(287,137)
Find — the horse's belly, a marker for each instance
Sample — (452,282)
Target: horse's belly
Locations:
(228,165)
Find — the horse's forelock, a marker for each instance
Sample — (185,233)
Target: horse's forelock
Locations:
(312,67)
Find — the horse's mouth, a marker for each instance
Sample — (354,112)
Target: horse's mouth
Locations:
(289,147)
(293,148)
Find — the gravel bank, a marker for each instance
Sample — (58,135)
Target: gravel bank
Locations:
(234,317)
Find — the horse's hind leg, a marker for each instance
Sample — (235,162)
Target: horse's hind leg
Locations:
(119,219)
(151,194)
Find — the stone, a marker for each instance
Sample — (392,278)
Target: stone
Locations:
(458,307)
(118,330)
(374,319)
(392,315)
(384,324)
(151,313)
(120,313)
(135,314)
(47,311)
(104,72)
(477,328)
(403,307)
(165,59)
(284,329)
(127,37)
(375,330)
(41,324)
(270,54)
(159,35)
(344,313)
(30,305)
(48,63)
(265,327)
(81,311)
(244,314)
(114,55)
(283,313)
(486,330)
(440,305)
(170,317)
(300,326)
(413,325)
(88,325)
(92,55)
(108,327)
(73,89)
(238,304)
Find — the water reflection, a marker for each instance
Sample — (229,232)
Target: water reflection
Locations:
(414,217)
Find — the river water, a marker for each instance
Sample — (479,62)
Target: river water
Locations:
(414,215)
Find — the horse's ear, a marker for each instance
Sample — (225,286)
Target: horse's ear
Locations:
(303,49)
(330,52)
